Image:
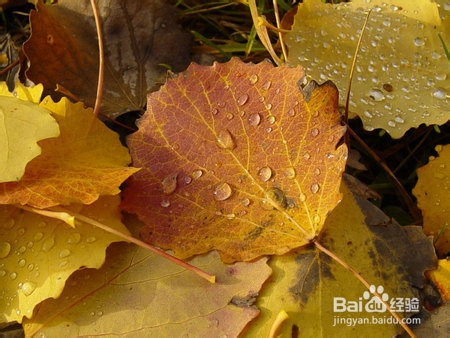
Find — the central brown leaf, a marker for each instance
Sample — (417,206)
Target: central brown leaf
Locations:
(236,158)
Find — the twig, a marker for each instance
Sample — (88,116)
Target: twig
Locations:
(101,68)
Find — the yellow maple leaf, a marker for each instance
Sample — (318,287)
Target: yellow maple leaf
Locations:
(22,124)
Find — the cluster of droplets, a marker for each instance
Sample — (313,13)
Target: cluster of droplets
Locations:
(400,78)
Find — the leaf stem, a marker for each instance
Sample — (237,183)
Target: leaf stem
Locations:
(201,273)
(101,67)
(365,283)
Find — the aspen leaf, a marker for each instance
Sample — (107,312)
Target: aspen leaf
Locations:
(38,254)
(22,124)
(305,282)
(139,38)
(236,158)
(84,162)
(139,293)
(433,199)
(401,77)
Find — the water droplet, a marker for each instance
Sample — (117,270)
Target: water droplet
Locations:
(225,139)
(391,123)
(214,111)
(289,173)
(266,85)
(439,175)
(314,188)
(399,119)
(28,288)
(165,203)
(5,249)
(245,202)
(242,99)
(38,236)
(271,119)
(222,191)
(419,42)
(265,173)
(306,156)
(268,106)
(169,183)
(316,219)
(376,94)
(229,116)
(48,244)
(197,174)
(291,112)
(302,197)
(22,249)
(64,253)
(2,273)
(254,119)
(253,79)
(317,171)
(91,239)
(439,93)
(21,263)
(30,267)
(175,146)
(74,238)
(315,132)
(13,275)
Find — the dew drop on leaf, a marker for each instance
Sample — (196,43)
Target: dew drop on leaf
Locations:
(245,202)
(439,93)
(197,174)
(317,171)
(314,132)
(5,249)
(290,173)
(302,197)
(314,188)
(306,156)
(254,119)
(28,288)
(169,183)
(291,112)
(242,99)
(265,173)
(48,244)
(316,219)
(222,191)
(21,263)
(38,236)
(230,116)
(225,139)
(271,119)
(253,79)
(64,253)
(376,94)
(13,275)
(165,203)
(9,224)
(268,106)
(266,85)
(419,42)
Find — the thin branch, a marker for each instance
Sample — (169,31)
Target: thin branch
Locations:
(101,67)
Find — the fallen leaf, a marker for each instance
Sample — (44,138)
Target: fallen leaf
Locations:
(139,293)
(441,278)
(84,162)
(23,124)
(38,254)
(433,199)
(401,77)
(236,158)
(305,283)
(141,40)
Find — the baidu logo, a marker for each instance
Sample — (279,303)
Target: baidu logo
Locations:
(371,304)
